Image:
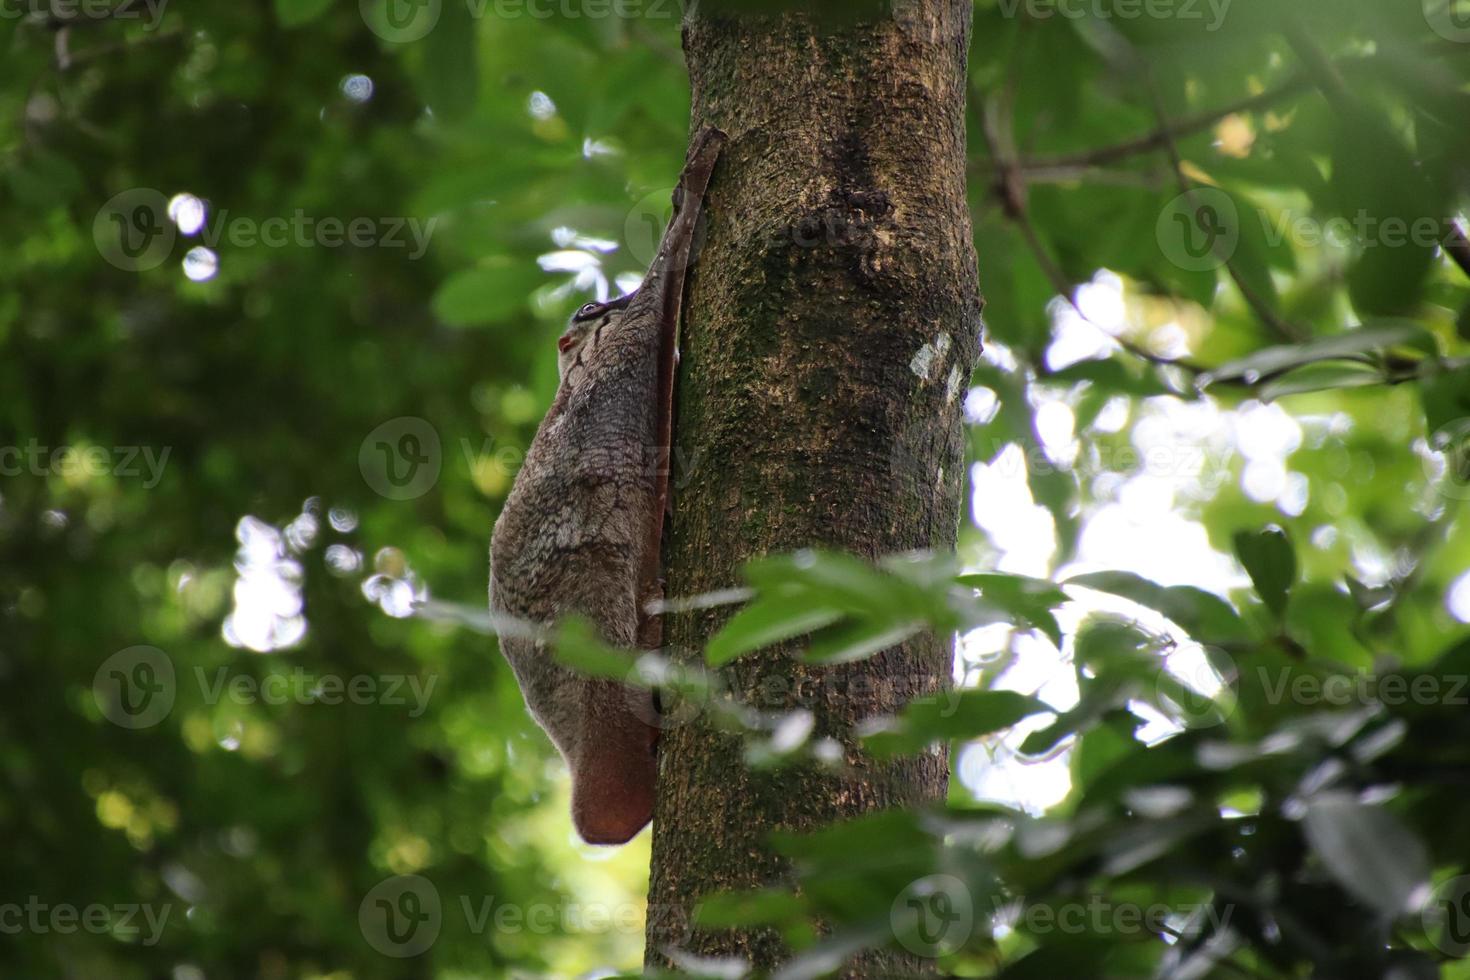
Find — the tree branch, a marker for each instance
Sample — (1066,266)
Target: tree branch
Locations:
(1159,138)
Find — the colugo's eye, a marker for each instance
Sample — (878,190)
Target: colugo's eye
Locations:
(587,310)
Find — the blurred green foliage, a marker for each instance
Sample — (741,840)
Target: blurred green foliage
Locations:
(235,455)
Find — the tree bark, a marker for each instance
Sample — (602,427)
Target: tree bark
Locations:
(831,330)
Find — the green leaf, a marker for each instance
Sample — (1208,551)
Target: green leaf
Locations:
(1025,600)
(1099,699)
(1369,852)
(1446,396)
(1253,253)
(294,13)
(868,834)
(450,72)
(691,967)
(44,178)
(578,646)
(858,639)
(810,590)
(491,293)
(1379,335)
(1141,766)
(736,910)
(1204,615)
(828,956)
(1388,194)
(1071,956)
(840,581)
(953,715)
(1321,377)
(767,621)
(1270,559)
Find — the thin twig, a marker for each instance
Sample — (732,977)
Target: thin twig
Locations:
(1159,138)
(984,170)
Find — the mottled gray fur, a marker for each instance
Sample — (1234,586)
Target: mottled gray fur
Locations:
(580,530)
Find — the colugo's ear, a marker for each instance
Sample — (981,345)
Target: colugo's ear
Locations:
(613,783)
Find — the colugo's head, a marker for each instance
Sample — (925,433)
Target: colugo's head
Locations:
(583,329)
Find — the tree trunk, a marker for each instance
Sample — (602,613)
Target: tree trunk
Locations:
(832,326)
